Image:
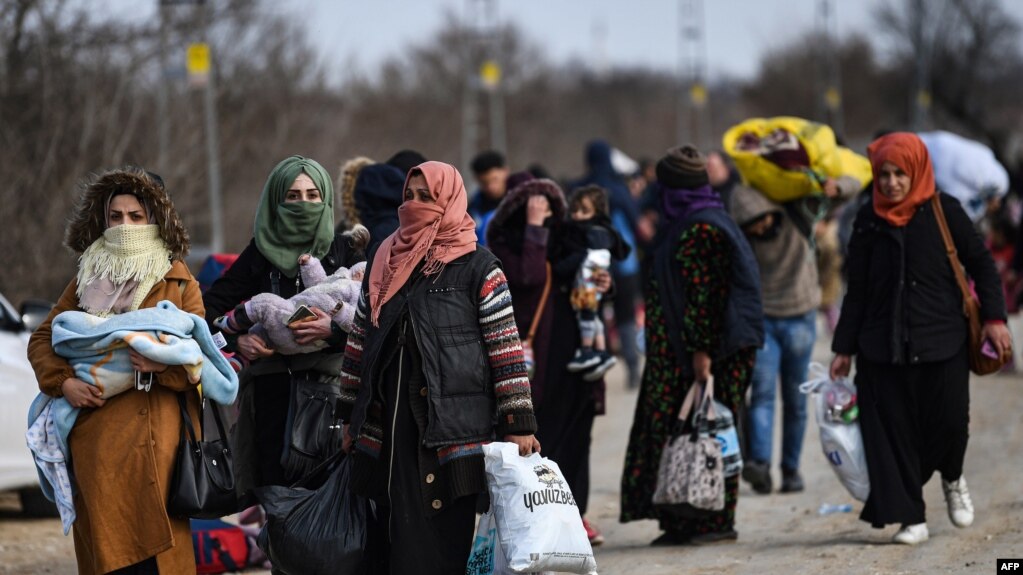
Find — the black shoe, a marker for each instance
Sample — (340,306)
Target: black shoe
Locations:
(791,481)
(585,358)
(669,538)
(607,361)
(730,536)
(758,475)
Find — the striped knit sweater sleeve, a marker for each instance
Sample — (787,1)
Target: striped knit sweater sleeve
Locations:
(351,366)
(504,354)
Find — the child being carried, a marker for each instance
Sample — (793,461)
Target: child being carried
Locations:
(589,243)
(270,315)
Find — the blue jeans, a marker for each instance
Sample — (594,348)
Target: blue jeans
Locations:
(788,345)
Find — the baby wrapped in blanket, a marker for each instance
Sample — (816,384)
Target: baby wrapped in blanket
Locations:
(267,314)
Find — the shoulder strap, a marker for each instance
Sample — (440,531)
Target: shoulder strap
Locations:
(950,249)
(543,304)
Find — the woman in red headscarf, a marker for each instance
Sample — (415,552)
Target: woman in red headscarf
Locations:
(433,369)
(902,317)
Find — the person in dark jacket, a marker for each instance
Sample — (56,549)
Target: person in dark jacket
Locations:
(589,243)
(433,369)
(405,160)
(902,317)
(377,195)
(294,217)
(491,172)
(704,319)
(524,233)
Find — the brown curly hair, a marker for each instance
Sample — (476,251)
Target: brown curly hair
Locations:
(346,188)
(89,219)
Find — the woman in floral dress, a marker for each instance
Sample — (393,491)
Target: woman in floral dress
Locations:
(703,318)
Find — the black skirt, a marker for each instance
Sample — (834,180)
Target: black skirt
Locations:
(405,538)
(915,421)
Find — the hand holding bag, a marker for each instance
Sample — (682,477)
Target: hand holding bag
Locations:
(690,478)
(538,523)
(980,364)
(202,486)
(841,442)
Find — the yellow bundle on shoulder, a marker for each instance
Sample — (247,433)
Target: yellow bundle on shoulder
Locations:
(787,158)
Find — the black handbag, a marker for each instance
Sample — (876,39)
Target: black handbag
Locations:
(313,427)
(203,482)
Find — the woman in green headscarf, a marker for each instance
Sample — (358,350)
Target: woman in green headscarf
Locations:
(295,216)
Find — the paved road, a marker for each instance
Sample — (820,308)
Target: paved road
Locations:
(777,533)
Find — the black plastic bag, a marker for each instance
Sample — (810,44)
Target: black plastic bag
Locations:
(316,530)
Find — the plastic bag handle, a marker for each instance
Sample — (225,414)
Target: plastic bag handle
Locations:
(706,400)
(819,376)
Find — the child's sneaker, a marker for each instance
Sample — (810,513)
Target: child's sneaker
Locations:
(607,361)
(593,533)
(584,359)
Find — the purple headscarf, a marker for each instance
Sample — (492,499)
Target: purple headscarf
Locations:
(679,204)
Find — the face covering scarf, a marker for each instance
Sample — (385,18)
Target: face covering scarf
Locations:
(117,271)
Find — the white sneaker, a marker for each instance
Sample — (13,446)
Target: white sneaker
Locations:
(960,507)
(912,534)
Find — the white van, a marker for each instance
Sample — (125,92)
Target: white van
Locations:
(17,390)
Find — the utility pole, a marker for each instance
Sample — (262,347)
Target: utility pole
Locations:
(599,62)
(213,147)
(162,120)
(491,81)
(923,42)
(693,113)
(829,74)
(483,75)
(199,65)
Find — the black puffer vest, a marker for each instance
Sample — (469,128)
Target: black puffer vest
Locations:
(444,312)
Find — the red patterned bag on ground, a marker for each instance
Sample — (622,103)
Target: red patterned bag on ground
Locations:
(219,546)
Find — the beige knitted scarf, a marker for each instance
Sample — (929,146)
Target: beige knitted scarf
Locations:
(117,271)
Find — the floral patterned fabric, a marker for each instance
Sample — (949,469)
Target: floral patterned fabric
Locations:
(704,256)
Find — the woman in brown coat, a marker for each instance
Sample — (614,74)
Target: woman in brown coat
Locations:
(123,448)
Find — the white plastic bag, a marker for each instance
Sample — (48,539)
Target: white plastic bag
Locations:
(487,557)
(967,170)
(842,442)
(538,522)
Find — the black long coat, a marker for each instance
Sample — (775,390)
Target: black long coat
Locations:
(903,306)
(264,394)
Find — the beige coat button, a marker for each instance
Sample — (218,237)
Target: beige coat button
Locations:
(422,391)
(437,504)
(430,478)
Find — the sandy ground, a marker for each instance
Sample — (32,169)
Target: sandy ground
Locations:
(777,533)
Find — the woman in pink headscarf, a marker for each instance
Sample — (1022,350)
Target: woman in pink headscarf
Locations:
(433,369)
